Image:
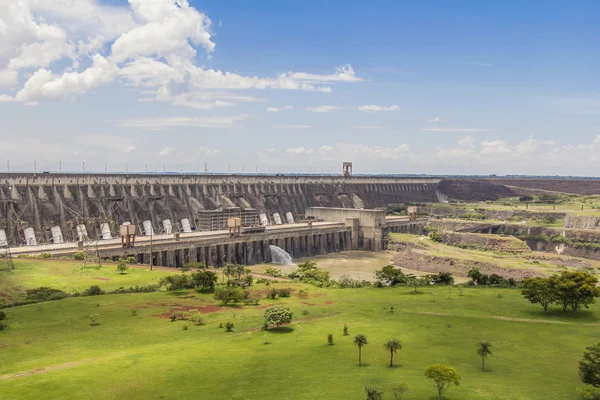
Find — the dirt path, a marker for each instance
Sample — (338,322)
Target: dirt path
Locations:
(500,318)
(55,367)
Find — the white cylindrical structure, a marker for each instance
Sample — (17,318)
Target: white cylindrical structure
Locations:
(277,219)
(81,232)
(3,240)
(105,229)
(148,230)
(263,219)
(289,217)
(185,225)
(167,227)
(30,239)
(56,234)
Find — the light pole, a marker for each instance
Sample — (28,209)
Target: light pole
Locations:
(151,234)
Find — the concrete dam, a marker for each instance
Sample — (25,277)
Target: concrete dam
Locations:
(58,208)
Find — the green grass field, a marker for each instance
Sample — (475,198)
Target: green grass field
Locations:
(51,351)
(69,275)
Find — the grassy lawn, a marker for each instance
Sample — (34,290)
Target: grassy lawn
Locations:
(51,351)
(68,275)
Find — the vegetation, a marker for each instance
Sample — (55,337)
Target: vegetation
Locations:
(373,393)
(484,350)
(399,390)
(392,346)
(443,377)
(229,294)
(308,272)
(278,315)
(122,266)
(589,367)
(436,236)
(360,341)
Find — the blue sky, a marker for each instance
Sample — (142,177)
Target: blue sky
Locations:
(471,87)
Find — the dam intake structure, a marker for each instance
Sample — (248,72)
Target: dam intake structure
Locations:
(60,208)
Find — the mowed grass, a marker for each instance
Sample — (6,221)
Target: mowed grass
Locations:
(69,275)
(51,351)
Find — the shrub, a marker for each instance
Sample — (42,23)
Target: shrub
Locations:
(345,330)
(44,293)
(3,326)
(435,236)
(526,198)
(196,317)
(194,265)
(133,313)
(80,256)
(173,317)
(229,294)
(44,255)
(2,315)
(131,260)
(185,327)
(204,279)
(229,326)
(285,292)
(177,282)
(93,290)
(94,319)
(273,272)
(278,315)
(330,339)
(272,293)
(122,266)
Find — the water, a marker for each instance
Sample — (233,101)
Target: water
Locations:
(280,256)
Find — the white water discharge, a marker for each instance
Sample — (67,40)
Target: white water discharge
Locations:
(280,256)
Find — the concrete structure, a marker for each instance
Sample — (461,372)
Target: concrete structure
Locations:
(367,225)
(102,202)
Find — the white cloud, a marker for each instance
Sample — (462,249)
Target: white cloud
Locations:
(434,119)
(456,130)
(116,143)
(145,44)
(528,146)
(197,122)
(275,109)
(300,150)
(324,109)
(376,108)
(465,147)
(209,151)
(353,152)
(494,147)
(549,142)
(167,151)
(291,126)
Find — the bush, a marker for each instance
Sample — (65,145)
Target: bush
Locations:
(133,313)
(473,216)
(177,282)
(526,198)
(229,326)
(278,315)
(44,293)
(185,327)
(93,290)
(330,339)
(285,292)
(3,326)
(94,319)
(131,260)
(194,265)
(196,317)
(273,272)
(229,294)
(2,315)
(345,330)
(122,266)
(44,255)
(435,236)
(80,256)
(272,293)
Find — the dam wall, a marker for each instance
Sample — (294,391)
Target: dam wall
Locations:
(49,200)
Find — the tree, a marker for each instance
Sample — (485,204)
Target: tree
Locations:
(538,290)
(227,294)
(399,390)
(308,271)
(122,266)
(589,367)
(477,277)
(204,279)
(415,282)
(483,350)
(373,393)
(360,341)
(443,377)
(278,315)
(435,236)
(574,289)
(392,345)
(229,270)
(390,276)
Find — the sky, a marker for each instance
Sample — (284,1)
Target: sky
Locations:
(397,87)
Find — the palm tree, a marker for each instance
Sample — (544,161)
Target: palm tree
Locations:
(483,350)
(360,341)
(393,345)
